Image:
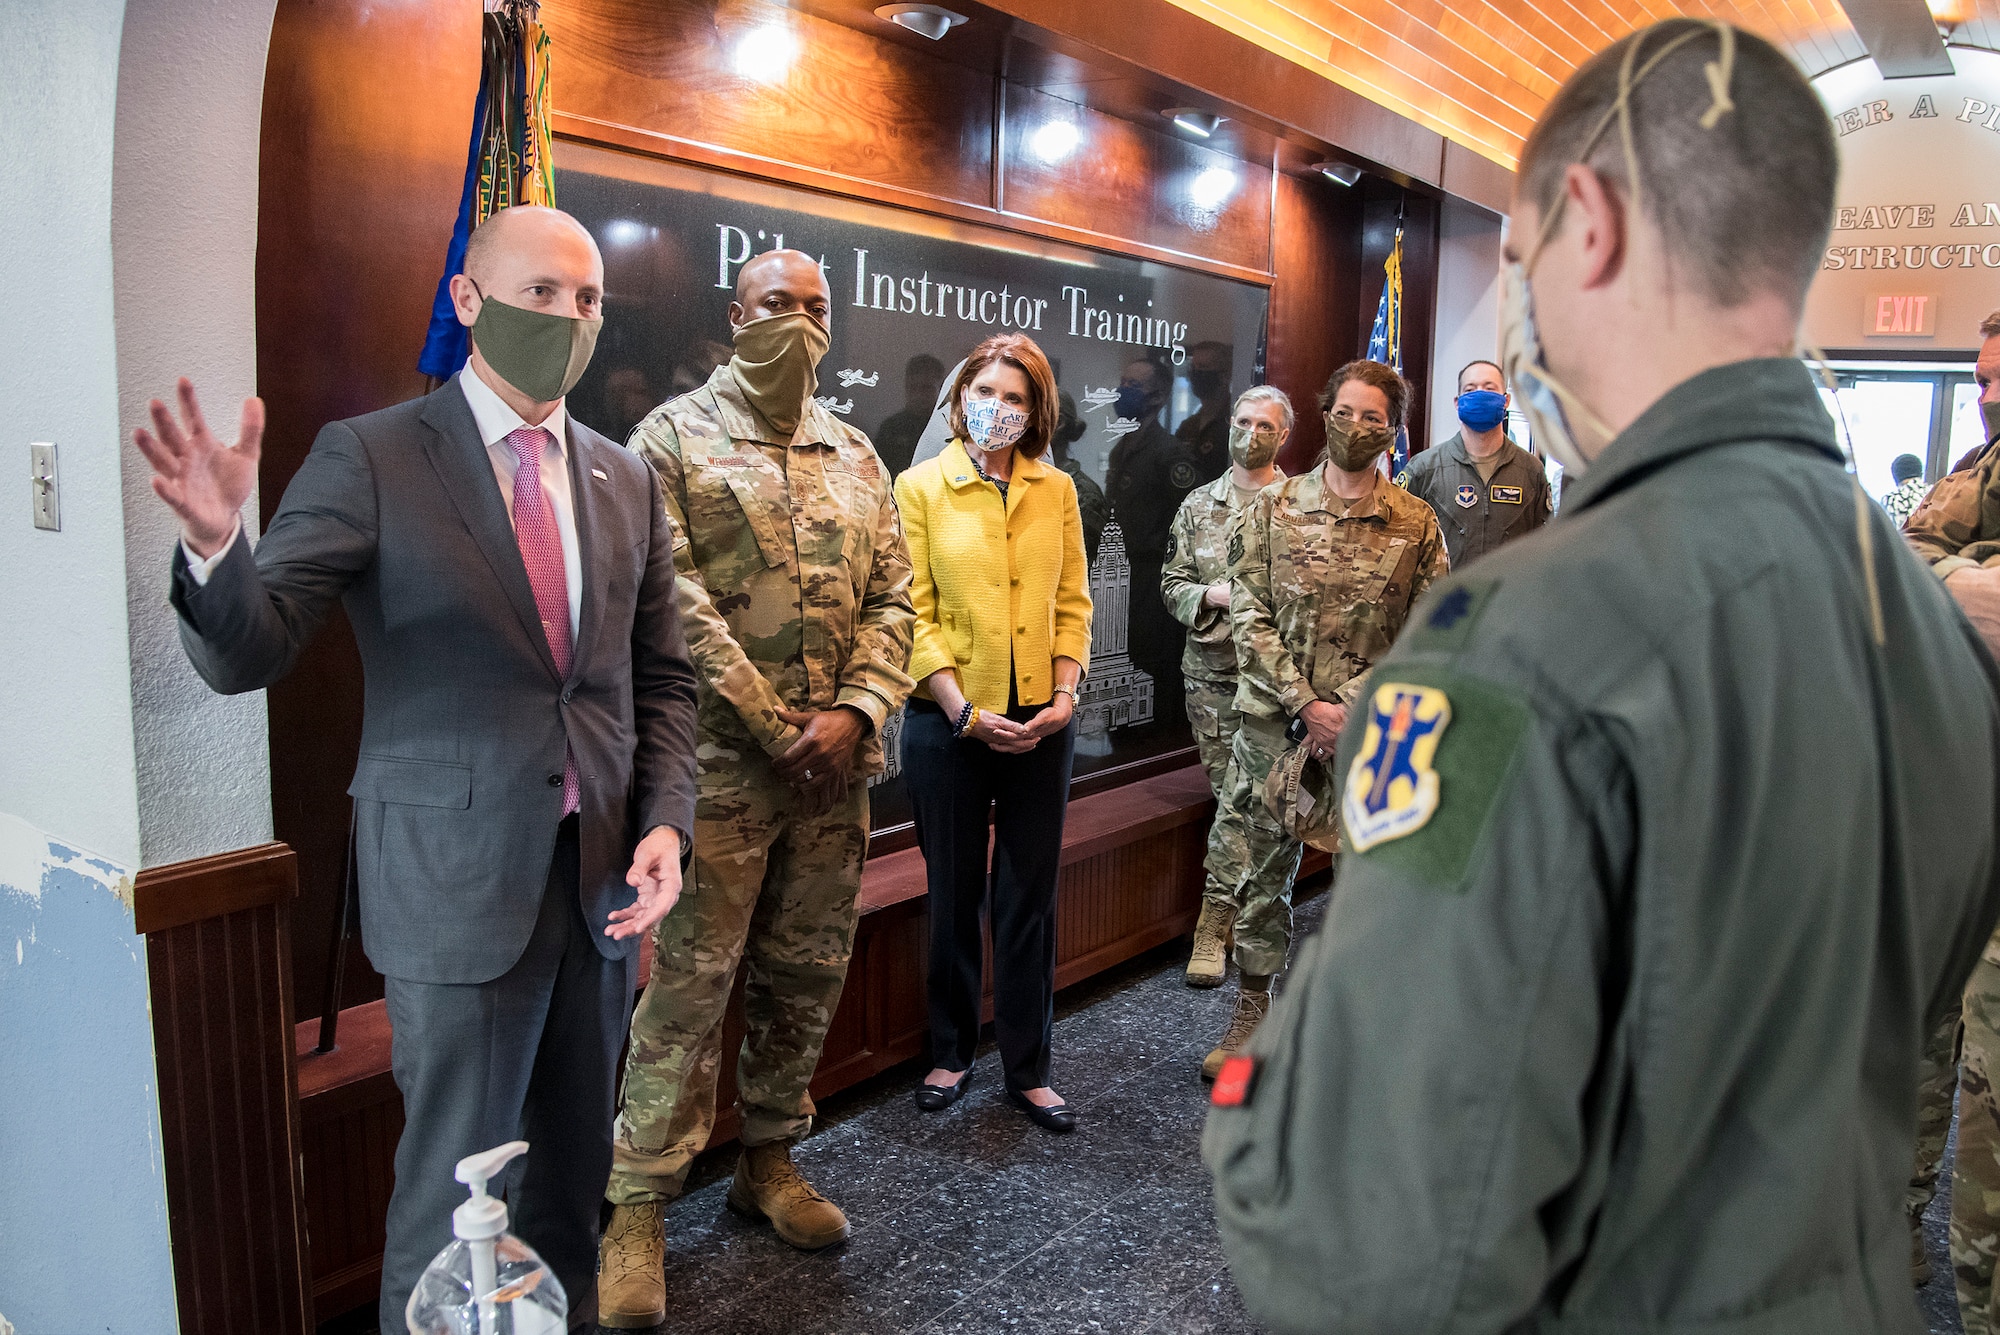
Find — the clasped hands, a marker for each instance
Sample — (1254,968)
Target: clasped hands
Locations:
(1323,719)
(820,764)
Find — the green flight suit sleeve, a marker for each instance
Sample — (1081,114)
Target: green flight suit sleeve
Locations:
(875,680)
(1958,524)
(1393,1167)
(1269,683)
(1180,583)
(720,660)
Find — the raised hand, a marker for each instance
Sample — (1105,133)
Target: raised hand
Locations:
(203,481)
(656,875)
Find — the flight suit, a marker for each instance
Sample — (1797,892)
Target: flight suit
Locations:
(1320,588)
(1148,475)
(1670,835)
(1197,557)
(795,594)
(1478,514)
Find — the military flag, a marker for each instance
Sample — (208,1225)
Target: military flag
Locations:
(1385,342)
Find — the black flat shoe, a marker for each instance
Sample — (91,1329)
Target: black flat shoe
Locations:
(1059,1118)
(936,1098)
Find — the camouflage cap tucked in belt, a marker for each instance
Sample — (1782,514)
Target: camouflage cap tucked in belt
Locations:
(1303,797)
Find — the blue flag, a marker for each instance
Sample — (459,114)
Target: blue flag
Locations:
(1385,341)
(447,346)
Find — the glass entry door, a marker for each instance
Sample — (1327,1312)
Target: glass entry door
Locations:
(1881,413)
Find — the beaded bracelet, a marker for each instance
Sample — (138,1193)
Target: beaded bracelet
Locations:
(966,715)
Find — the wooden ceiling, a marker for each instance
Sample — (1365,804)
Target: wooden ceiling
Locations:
(1479,71)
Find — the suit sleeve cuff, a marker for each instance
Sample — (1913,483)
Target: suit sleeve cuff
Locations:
(200,569)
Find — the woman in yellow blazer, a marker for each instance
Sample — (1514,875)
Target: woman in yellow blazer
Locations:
(1002,597)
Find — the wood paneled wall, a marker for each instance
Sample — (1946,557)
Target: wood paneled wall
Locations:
(219,960)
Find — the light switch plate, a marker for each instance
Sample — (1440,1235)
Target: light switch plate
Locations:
(48,500)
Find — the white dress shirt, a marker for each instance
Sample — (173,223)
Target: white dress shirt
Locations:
(495,420)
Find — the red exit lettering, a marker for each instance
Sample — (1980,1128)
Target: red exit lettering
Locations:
(1904,314)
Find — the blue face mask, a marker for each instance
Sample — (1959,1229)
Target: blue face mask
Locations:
(1131,401)
(1482,409)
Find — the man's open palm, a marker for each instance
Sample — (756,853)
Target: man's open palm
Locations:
(204,481)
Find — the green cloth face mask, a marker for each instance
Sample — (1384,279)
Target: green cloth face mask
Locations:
(1351,445)
(777,365)
(1253,450)
(541,355)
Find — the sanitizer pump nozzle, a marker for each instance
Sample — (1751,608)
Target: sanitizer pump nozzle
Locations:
(488,1282)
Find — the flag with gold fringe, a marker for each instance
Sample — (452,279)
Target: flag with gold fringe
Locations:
(1385,341)
(509,161)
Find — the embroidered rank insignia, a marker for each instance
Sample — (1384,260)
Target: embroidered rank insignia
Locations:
(1506,495)
(1234,1082)
(1468,496)
(1392,788)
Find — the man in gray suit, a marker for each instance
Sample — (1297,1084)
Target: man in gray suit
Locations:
(529,717)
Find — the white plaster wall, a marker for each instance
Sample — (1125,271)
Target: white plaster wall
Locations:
(66,763)
(1468,304)
(184,237)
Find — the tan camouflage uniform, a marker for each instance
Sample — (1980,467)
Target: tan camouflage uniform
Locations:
(1320,588)
(1198,556)
(1955,528)
(795,592)
(1937,1081)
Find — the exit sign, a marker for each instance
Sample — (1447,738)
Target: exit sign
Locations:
(1904,314)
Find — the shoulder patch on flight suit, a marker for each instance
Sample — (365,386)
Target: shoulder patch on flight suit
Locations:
(1506,495)
(1448,616)
(1419,793)
(1468,496)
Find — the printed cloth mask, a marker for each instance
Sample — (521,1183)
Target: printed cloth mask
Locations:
(994,425)
(1352,445)
(1555,414)
(1131,401)
(1989,413)
(540,354)
(1482,409)
(1253,450)
(777,365)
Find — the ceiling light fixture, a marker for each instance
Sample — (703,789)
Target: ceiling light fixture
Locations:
(1340,173)
(1055,140)
(932,21)
(1200,124)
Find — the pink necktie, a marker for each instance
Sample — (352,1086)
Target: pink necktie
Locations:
(542,552)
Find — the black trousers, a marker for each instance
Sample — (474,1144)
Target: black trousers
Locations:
(953,786)
(531,1055)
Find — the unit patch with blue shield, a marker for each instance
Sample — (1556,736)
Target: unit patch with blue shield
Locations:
(1468,496)
(1392,786)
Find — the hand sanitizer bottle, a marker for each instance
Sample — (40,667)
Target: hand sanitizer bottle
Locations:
(487,1282)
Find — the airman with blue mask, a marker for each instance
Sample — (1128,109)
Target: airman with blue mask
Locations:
(1486,489)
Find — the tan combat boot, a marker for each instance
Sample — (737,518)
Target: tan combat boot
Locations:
(1251,1008)
(1210,960)
(631,1268)
(767,1186)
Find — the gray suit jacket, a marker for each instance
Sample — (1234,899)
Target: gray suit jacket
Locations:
(459,787)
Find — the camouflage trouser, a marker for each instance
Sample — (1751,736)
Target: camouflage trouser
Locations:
(1212,717)
(1248,851)
(1937,1082)
(765,885)
(1975,1176)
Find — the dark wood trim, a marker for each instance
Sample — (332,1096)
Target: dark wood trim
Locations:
(218,960)
(574,128)
(181,893)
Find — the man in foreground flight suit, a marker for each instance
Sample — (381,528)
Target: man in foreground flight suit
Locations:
(1671,826)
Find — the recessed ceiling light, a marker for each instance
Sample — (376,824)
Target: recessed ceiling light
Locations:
(932,21)
(1340,173)
(1200,124)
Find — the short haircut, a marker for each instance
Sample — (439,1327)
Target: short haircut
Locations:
(1904,467)
(1393,387)
(1265,394)
(1990,326)
(1481,361)
(1024,355)
(490,233)
(1745,206)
